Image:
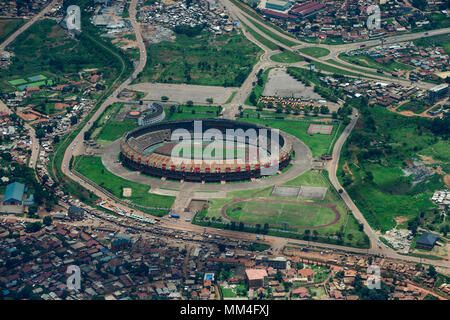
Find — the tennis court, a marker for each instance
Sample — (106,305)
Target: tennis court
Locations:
(319,128)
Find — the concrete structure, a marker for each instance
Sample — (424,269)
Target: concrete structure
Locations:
(154,114)
(151,150)
(256,278)
(278,5)
(438,92)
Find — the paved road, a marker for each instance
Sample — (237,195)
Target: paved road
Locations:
(19,31)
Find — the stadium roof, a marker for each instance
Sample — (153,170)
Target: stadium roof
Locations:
(14,192)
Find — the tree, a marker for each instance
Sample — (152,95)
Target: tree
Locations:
(73,120)
(164,98)
(47,220)
(432,272)
(210,100)
(190,103)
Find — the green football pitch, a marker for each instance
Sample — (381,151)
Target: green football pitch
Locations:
(281,212)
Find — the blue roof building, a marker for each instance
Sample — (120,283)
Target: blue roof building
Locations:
(14,193)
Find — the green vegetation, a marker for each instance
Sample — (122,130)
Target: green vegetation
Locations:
(204,60)
(439,40)
(369,62)
(192,112)
(46,48)
(93,169)
(334,70)
(295,214)
(269,44)
(258,89)
(345,231)
(8,27)
(315,52)
(272,35)
(321,88)
(415,106)
(318,143)
(286,57)
(379,148)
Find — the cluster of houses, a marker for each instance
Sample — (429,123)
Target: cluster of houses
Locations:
(171,14)
(27,9)
(117,264)
(429,63)
(14,139)
(340,20)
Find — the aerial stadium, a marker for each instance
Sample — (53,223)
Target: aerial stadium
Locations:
(153,150)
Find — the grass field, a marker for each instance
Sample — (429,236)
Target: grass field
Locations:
(271,34)
(8,26)
(252,211)
(263,40)
(315,52)
(415,106)
(366,61)
(258,89)
(193,112)
(204,60)
(108,129)
(93,169)
(286,57)
(318,143)
(440,40)
(279,213)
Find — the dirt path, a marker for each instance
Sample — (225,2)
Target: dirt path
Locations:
(332,207)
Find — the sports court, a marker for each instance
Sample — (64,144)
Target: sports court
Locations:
(320,128)
(315,193)
(279,191)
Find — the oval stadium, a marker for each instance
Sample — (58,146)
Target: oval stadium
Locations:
(166,150)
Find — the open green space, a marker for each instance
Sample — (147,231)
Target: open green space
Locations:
(439,40)
(8,26)
(415,106)
(318,143)
(286,57)
(315,52)
(45,48)
(93,169)
(309,77)
(193,112)
(293,214)
(369,62)
(263,40)
(345,231)
(374,157)
(272,34)
(201,59)
(108,129)
(258,89)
